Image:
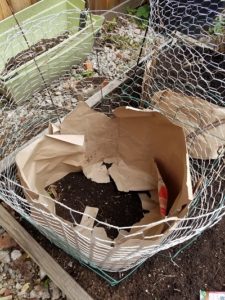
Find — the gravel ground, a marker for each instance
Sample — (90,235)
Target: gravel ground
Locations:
(20,277)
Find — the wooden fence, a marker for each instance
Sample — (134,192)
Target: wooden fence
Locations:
(16,6)
(104,4)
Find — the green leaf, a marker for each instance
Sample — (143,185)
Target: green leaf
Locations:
(131,11)
(143,11)
(46,282)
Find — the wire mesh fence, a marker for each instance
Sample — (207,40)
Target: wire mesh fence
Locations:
(174,64)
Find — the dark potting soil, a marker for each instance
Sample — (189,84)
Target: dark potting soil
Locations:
(115,208)
(198,265)
(35,50)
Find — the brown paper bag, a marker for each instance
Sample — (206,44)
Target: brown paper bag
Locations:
(134,142)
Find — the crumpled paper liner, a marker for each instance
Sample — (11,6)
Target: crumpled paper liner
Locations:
(147,153)
(203,122)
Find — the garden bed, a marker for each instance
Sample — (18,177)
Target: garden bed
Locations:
(161,277)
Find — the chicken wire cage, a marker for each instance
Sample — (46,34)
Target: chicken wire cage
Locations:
(173,63)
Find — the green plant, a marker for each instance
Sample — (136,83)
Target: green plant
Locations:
(142,13)
(87,73)
(46,283)
(111,25)
(120,41)
(219,26)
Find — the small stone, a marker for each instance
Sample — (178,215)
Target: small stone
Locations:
(2,291)
(18,286)
(42,274)
(137,31)
(10,282)
(6,242)
(15,255)
(55,292)
(73,100)
(4,257)
(46,295)
(39,292)
(7,292)
(25,288)
(34,294)
(70,264)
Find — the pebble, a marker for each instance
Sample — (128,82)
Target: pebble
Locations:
(70,264)
(7,292)
(55,292)
(42,274)
(40,292)
(6,242)
(18,286)
(25,288)
(44,294)
(4,257)
(2,291)
(15,255)
(34,294)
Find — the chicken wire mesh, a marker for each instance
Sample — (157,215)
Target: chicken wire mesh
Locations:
(51,63)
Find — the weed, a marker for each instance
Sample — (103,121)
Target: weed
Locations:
(219,26)
(87,73)
(111,25)
(121,41)
(142,13)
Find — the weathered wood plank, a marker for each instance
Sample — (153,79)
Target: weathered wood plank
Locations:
(60,277)
(96,98)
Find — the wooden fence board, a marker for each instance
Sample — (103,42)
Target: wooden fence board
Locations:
(16,6)
(4,10)
(103,4)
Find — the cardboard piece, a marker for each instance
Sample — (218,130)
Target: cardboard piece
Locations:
(146,151)
(203,122)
